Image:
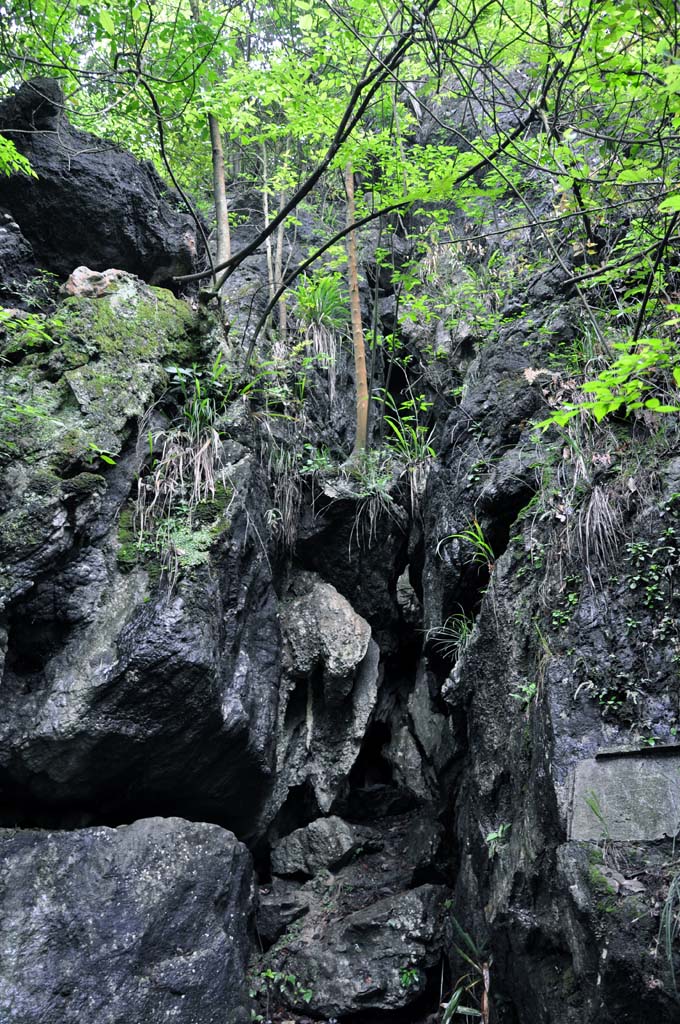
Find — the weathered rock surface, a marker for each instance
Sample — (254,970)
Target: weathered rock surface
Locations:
(16,258)
(630,797)
(91,284)
(328,693)
(337,541)
(82,182)
(372,915)
(146,922)
(121,697)
(374,959)
(564,662)
(88,379)
(279,906)
(324,843)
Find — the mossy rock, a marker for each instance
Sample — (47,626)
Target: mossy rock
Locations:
(599,883)
(190,538)
(103,371)
(70,404)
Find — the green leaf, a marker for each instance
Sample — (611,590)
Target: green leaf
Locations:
(670,205)
(107,22)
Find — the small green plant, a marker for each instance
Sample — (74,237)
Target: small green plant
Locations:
(315,459)
(26,331)
(652,567)
(593,804)
(323,311)
(525,693)
(563,615)
(407,436)
(102,453)
(322,302)
(368,479)
(474,984)
(409,439)
(270,984)
(202,394)
(615,698)
(497,839)
(409,977)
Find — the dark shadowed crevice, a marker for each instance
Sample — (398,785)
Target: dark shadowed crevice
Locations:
(32,640)
(299,808)
(502,516)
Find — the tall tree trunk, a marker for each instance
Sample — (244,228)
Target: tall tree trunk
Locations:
(360,378)
(265,213)
(278,273)
(274,256)
(219,184)
(219,192)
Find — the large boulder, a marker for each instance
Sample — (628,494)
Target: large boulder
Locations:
(363,934)
(146,922)
(91,203)
(324,844)
(328,693)
(374,959)
(72,385)
(125,694)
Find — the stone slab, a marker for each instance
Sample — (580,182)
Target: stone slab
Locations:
(628,798)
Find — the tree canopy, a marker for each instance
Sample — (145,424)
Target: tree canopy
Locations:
(565,116)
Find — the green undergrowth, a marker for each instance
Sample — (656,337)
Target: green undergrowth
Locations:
(179,543)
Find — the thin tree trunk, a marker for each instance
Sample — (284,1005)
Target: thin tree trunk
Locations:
(265,213)
(219,184)
(220,192)
(360,378)
(278,273)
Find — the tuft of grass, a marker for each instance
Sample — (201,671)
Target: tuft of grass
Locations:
(323,308)
(282,468)
(473,534)
(669,925)
(451,638)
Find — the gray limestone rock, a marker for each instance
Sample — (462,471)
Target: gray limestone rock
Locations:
(123,697)
(324,632)
(635,796)
(146,922)
(324,843)
(361,964)
(16,258)
(172,696)
(328,693)
(279,906)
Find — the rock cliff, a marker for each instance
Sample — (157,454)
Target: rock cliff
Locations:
(434,708)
